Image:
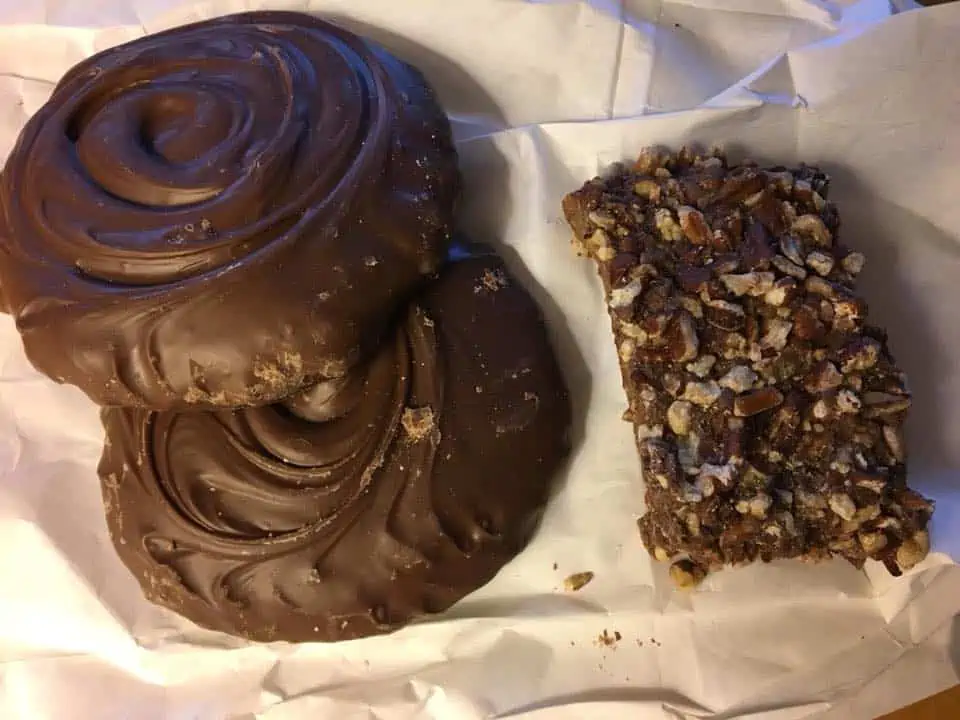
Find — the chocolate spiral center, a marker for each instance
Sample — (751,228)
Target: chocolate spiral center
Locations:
(188,152)
(166,145)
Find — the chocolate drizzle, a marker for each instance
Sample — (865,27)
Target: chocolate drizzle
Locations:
(214,215)
(361,503)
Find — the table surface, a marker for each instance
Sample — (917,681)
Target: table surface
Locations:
(939,707)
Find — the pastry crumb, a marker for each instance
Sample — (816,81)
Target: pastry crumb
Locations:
(608,639)
(419,423)
(491,280)
(577,581)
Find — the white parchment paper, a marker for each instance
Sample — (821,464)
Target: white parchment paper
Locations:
(544,94)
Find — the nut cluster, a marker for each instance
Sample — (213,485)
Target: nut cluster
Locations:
(767,412)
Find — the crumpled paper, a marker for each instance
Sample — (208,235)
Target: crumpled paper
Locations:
(543,95)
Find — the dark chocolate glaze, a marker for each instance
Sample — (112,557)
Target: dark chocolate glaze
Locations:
(362,503)
(213,215)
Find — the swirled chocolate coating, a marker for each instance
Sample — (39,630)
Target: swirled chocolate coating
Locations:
(359,504)
(214,215)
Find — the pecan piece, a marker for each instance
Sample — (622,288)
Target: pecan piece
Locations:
(820,262)
(813,227)
(877,404)
(751,283)
(757,401)
(792,249)
(694,226)
(685,344)
(659,462)
(680,416)
(913,550)
(704,394)
(853,263)
(739,379)
(787,267)
(823,377)
(756,252)
(686,575)
(860,354)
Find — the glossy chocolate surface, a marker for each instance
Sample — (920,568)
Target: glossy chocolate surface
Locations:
(362,503)
(214,215)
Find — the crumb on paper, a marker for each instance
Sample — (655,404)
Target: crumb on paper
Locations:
(577,581)
(606,639)
(555,566)
(418,422)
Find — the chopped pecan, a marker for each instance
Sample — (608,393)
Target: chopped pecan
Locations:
(843,505)
(860,354)
(649,160)
(758,505)
(724,315)
(669,229)
(680,416)
(739,378)
(757,401)
(782,292)
(823,377)
(686,575)
(820,262)
(776,335)
(756,252)
(872,542)
(751,283)
(893,437)
(787,267)
(625,296)
(819,286)
(672,382)
(813,227)
(704,394)
(913,550)
(685,344)
(602,220)
(648,189)
(877,404)
(659,462)
(792,249)
(807,325)
(694,226)
(853,263)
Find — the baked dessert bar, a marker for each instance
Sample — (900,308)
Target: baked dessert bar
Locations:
(767,411)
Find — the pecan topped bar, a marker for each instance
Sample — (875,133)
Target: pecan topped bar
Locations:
(767,411)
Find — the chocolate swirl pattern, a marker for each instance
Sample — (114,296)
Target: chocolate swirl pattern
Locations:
(215,215)
(361,503)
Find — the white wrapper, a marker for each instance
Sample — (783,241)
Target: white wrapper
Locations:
(532,87)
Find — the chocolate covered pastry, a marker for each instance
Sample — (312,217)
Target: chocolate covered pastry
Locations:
(214,215)
(767,411)
(362,503)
